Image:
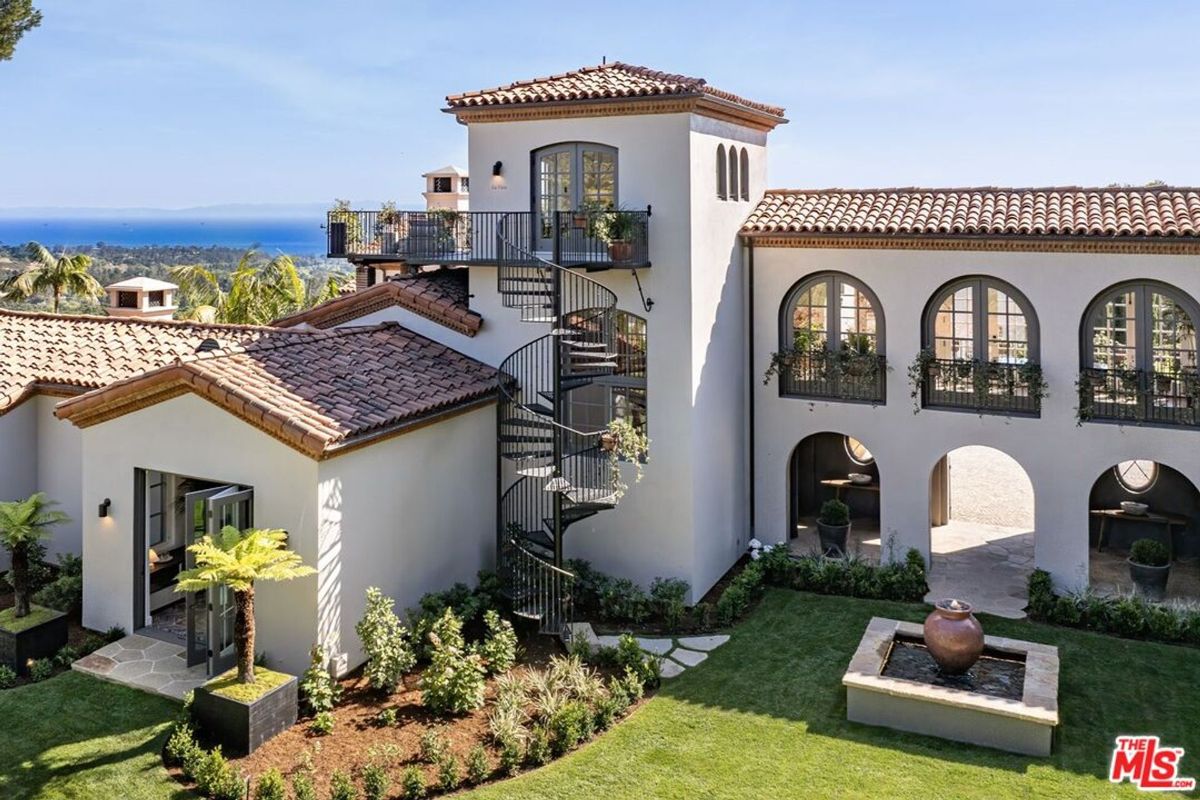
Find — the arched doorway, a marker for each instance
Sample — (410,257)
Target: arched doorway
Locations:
(820,470)
(1171,517)
(981,531)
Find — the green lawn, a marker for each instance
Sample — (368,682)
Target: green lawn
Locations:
(77,738)
(764,717)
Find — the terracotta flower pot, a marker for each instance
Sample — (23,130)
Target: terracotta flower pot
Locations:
(954,637)
(620,250)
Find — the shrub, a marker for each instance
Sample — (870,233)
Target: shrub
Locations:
(66,656)
(319,691)
(8,677)
(341,787)
(180,745)
(466,603)
(478,767)
(588,585)
(302,788)
(40,669)
(386,718)
(507,723)
(322,723)
(453,683)
(510,757)
(537,749)
(607,710)
(630,657)
(624,601)
(375,782)
(385,642)
(499,647)
(449,773)
(569,726)
(216,778)
(434,745)
(834,512)
(192,761)
(1149,553)
(65,592)
(743,590)
(668,597)
(114,634)
(270,786)
(412,782)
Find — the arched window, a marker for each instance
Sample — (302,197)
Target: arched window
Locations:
(982,335)
(831,340)
(733,173)
(745,164)
(1139,354)
(722,193)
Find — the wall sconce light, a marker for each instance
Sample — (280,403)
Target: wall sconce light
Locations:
(105,505)
(497,169)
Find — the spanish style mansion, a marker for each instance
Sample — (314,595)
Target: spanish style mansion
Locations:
(622,259)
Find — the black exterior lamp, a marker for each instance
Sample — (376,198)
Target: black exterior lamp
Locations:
(105,505)
(497,169)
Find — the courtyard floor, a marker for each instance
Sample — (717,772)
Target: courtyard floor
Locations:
(762,716)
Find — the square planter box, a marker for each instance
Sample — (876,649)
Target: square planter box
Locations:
(240,726)
(40,641)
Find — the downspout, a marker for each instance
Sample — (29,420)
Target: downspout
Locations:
(750,372)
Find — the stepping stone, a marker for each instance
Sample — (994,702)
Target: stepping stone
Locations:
(130,671)
(669,668)
(689,658)
(126,654)
(659,647)
(94,664)
(705,643)
(161,650)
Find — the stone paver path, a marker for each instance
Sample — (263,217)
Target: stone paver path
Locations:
(674,655)
(144,663)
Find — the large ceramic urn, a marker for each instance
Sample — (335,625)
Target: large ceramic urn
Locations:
(954,637)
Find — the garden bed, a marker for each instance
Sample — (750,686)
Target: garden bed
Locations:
(80,641)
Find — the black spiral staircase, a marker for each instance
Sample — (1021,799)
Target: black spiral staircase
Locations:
(551,474)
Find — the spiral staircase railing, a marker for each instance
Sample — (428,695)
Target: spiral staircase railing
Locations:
(559,473)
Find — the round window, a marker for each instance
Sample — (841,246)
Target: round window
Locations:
(1136,476)
(858,451)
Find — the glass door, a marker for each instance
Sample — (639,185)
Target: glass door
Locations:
(196,603)
(232,506)
(571,177)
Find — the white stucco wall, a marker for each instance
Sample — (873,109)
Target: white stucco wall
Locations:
(1063,460)
(190,436)
(18,457)
(60,474)
(411,514)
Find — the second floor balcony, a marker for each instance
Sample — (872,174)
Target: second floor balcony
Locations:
(982,387)
(592,239)
(823,374)
(1139,396)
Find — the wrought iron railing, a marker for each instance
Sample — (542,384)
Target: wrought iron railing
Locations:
(1140,397)
(985,387)
(538,590)
(571,239)
(835,376)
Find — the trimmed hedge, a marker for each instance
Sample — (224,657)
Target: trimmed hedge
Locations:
(1129,616)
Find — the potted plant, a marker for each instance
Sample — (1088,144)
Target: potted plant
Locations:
(616,228)
(244,709)
(1149,568)
(345,229)
(833,526)
(621,440)
(389,222)
(857,353)
(27,631)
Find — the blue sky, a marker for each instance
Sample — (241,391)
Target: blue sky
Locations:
(178,103)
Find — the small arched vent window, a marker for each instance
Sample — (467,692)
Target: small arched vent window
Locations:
(722,191)
(744,162)
(733,173)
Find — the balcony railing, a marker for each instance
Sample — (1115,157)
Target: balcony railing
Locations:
(571,239)
(984,387)
(834,375)
(1140,397)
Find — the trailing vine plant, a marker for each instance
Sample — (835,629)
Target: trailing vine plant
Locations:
(918,375)
(623,441)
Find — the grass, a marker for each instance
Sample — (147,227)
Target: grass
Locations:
(76,738)
(227,685)
(10,622)
(765,716)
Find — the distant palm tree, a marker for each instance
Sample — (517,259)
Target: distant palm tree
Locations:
(260,291)
(59,275)
(23,523)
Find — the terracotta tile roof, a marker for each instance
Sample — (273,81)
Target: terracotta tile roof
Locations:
(320,393)
(64,354)
(603,82)
(1152,212)
(440,296)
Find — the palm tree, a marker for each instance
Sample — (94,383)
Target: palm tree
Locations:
(260,291)
(62,274)
(23,523)
(237,559)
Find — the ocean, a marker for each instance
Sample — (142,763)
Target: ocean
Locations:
(303,236)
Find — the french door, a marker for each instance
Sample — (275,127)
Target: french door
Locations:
(568,177)
(211,613)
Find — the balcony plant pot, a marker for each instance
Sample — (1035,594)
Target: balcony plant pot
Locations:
(579,220)
(242,717)
(39,635)
(620,250)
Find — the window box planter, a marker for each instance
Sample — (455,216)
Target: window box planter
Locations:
(242,717)
(41,634)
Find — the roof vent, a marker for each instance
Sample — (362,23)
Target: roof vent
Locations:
(208,345)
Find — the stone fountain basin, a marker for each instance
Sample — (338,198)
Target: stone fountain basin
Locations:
(1019,726)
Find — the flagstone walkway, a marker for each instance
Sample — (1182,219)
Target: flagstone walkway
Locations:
(144,663)
(675,654)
